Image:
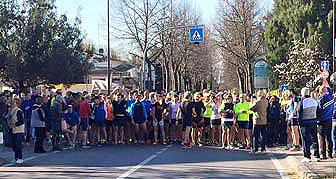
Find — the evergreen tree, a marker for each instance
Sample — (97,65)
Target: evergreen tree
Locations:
(37,46)
(307,21)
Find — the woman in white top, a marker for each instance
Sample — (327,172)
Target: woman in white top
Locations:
(173,108)
(215,121)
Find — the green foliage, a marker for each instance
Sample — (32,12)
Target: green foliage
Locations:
(307,21)
(37,46)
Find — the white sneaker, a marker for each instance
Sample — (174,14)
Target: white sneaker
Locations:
(305,160)
(315,159)
(19,161)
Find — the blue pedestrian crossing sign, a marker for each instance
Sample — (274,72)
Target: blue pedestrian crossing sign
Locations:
(283,88)
(324,65)
(196,35)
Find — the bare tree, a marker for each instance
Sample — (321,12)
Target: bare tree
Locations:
(239,34)
(137,21)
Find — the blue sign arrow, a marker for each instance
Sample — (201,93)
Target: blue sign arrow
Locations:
(196,35)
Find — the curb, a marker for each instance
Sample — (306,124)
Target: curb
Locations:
(302,169)
(3,161)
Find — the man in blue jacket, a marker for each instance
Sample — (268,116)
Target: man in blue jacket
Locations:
(324,125)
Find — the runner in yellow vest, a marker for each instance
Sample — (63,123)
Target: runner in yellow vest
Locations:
(207,116)
(242,112)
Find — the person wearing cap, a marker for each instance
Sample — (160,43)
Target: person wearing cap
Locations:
(309,114)
(259,107)
(72,120)
(57,114)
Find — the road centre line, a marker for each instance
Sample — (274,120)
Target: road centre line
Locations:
(140,165)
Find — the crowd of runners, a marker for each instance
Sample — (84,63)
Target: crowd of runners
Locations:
(223,119)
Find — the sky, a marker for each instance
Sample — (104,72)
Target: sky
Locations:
(92,13)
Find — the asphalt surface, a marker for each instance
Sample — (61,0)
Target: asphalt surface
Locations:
(146,161)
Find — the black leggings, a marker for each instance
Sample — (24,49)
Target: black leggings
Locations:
(17,140)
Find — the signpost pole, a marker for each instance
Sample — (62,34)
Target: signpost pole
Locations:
(108,50)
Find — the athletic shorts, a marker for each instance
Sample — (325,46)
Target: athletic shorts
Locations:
(227,124)
(216,122)
(173,121)
(99,123)
(120,121)
(206,122)
(140,122)
(197,124)
(158,123)
(245,125)
(293,122)
(187,123)
(84,124)
(109,123)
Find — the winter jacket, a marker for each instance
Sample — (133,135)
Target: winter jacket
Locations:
(274,110)
(309,111)
(15,120)
(260,111)
(38,116)
(326,105)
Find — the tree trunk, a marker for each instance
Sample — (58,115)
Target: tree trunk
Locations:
(167,77)
(240,80)
(149,76)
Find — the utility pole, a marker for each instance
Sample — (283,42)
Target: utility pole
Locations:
(333,55)
(108,50)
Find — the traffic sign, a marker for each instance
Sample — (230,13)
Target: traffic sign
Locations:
(196,35)
(324,65)
(283,88)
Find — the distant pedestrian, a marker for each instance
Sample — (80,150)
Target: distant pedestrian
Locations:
(259,107)
(309,112)
(273,128)
(57,114)
(15,119)
(38,122)
(324,125)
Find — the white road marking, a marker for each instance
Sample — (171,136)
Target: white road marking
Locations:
(150,158)
(279,167)
(30,158)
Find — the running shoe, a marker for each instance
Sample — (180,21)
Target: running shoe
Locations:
(305,160)
(316,159)
(19,161)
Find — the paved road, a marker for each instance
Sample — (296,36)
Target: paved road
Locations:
(146,161)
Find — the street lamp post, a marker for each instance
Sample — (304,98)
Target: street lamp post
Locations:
(108,50)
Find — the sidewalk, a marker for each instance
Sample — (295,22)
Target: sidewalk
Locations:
(312,170)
